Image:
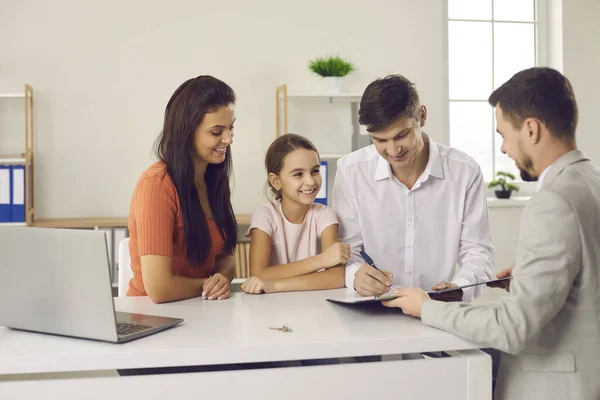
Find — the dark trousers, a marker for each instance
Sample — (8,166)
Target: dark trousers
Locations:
(496,355)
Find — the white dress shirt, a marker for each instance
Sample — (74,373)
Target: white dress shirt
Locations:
(541,178)
(422,234)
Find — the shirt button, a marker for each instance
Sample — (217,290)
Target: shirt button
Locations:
(410,219)
(409,273)
(409,246)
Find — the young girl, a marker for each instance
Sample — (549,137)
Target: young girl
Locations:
(294,244)
(181,223)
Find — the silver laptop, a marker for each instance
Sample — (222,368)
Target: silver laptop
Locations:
(57,281)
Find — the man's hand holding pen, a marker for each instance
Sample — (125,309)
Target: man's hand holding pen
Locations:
(369,281)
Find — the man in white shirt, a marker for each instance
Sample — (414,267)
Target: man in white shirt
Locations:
(417,208)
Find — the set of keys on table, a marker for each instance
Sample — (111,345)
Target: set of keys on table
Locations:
(284,328)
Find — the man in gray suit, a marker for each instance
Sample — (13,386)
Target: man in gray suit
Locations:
(549,324)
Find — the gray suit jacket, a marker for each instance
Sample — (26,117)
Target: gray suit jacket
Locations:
(549,324)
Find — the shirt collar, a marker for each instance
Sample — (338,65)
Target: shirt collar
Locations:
(433,168)
(541,178)
(383,170)
(434,165)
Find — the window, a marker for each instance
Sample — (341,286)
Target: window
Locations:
(488,42)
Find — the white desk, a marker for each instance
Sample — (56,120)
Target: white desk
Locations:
(236,331)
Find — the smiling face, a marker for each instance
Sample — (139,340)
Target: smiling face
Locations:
(214,135)
(299,180)
(401,143)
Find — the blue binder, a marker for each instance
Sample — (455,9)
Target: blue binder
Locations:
(322,195)
(18,193)
(5,194)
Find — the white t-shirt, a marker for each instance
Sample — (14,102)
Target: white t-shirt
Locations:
(292,242)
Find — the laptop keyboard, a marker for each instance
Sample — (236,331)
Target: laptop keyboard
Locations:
(127,329)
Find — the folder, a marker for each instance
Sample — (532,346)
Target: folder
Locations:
(492,283)
(18,193)
(351,297)
(322,195)
(5,194)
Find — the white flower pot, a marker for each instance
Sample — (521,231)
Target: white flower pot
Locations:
(333,84)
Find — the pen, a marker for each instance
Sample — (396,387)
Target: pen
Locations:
(369,261)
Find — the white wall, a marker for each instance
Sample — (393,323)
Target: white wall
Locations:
(104,71)
(581,32)
(554,34)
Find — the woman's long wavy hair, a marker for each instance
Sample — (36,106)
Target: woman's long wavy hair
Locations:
(175,147)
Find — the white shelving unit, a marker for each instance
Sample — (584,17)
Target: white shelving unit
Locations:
(25,158)
(353,99)
(283,96)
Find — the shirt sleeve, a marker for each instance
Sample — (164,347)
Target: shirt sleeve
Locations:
(325,219)
(548,263)
(262,218)
(476,249)
(155,216)
(346,211)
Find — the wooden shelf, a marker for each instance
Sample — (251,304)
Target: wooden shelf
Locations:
(12,95)
(12,159)
(89,223)
(82,223)
(243,219)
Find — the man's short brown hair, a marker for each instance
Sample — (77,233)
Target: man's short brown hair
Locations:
(541,93)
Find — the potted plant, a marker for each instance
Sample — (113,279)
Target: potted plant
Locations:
(331,69)
(506,188)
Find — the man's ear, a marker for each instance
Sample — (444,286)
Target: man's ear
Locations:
(423,115)
(534,128)
(275,181)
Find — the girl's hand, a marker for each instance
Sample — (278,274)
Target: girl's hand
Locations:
(337,253)
(254,285)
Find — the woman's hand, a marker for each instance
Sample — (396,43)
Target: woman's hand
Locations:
(216,287)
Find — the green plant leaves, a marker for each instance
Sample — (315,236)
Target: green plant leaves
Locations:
(332,66)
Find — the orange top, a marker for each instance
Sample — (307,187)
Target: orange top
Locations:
(156,228)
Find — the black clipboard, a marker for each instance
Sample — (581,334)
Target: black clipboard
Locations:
(468,286)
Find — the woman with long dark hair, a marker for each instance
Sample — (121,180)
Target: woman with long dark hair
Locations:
(181,222)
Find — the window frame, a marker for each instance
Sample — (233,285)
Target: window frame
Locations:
(541,58)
